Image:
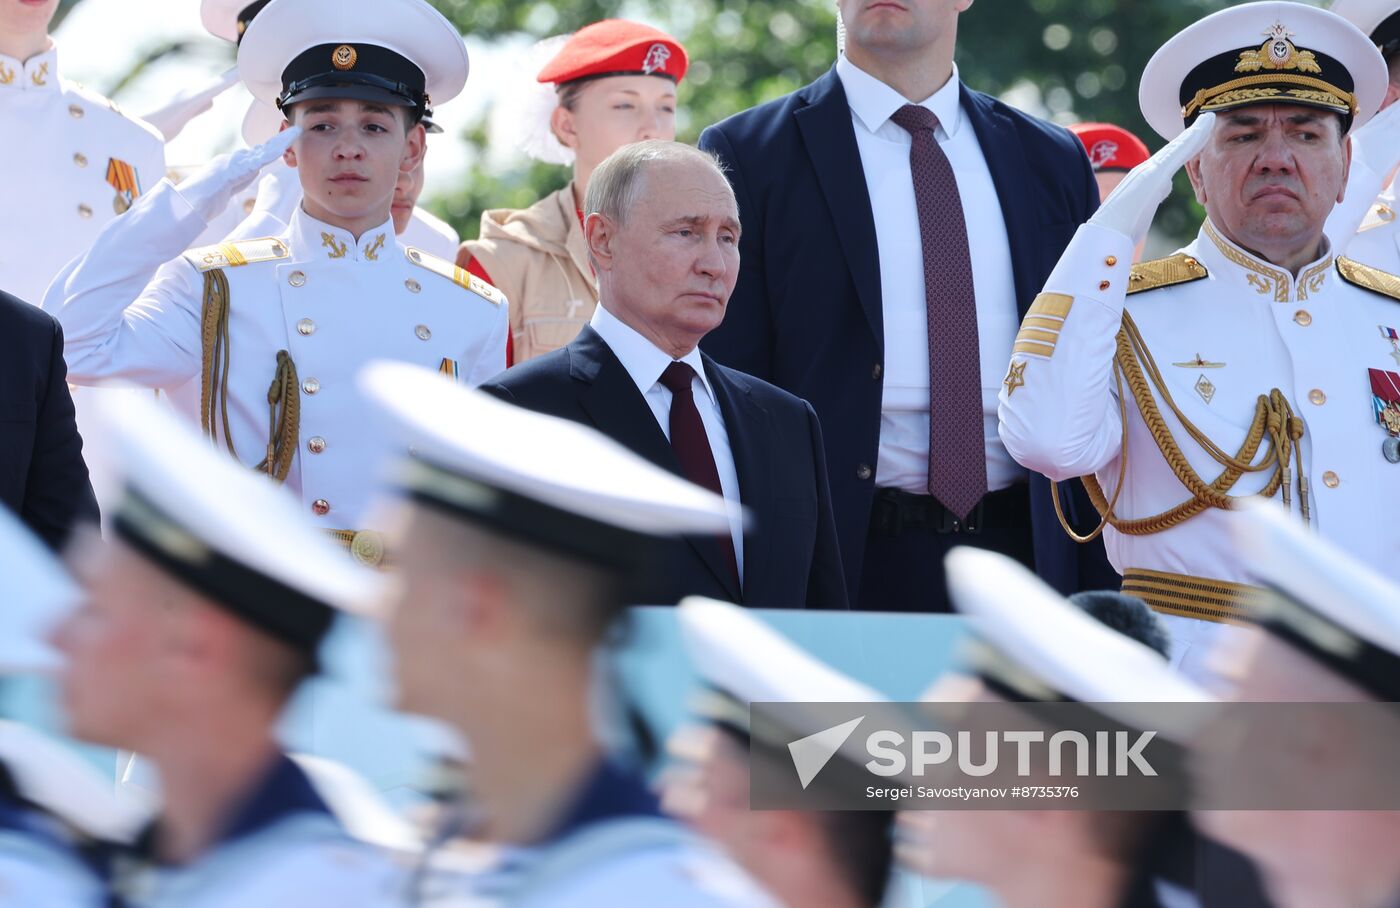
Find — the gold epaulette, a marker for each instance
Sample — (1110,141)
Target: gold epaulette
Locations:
(1368,278)
(239,252)
(456,274)
(1174,269)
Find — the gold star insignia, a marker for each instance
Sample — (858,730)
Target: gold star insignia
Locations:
(1016,377)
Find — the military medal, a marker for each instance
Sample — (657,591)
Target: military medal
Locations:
(1390,335)
(121,176)
(1385,400)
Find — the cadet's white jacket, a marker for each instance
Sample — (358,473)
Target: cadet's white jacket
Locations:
(69,163)
(131,310)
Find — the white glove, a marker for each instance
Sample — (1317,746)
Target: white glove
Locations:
(209,189)
(1131,207)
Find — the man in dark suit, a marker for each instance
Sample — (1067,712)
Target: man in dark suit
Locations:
(43,478)
(897,225)
(663,236)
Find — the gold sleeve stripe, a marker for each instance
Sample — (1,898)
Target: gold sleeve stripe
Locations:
(1054,304)
(1034,334)
(1034,347)
(1035,321)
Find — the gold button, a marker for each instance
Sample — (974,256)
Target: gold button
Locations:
(1317,397)
(75,111)
(414,257)
(316,444)
(367,548)
(1331,480)
(320,507)
(306,327)
(1190,263)
(1103,285)
(296,278)
(1111,261)
(311,386)
(423,332)
(80,159)
(412,285)
(248,205)
(84,211)
(1303,317)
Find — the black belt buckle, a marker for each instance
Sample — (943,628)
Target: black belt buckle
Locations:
(950,523)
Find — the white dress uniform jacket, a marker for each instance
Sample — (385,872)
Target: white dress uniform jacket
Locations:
(1377,242)
(331,302)
(69,163)
(1223,328)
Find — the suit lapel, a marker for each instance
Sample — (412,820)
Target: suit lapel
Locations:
(747,426)
(830,139)
(1006,160)
(618,409)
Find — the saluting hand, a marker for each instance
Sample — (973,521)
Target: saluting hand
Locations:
(210,189)
(1131,207)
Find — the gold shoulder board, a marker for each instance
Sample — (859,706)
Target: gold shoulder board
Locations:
(240,252)
(1368,278)
(457,275)
(1174,269)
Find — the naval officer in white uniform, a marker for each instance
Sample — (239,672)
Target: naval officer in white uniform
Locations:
(204,612)
(257,341)
(1249,362)
(71,161)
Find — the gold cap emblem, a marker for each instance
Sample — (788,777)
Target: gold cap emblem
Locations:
(1278,52)
(344,57)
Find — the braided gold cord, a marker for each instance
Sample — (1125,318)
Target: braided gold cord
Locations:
(1273,417)
(213,391)
(283,425)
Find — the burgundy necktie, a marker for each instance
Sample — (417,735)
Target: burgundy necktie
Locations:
(692,445)
(957,466)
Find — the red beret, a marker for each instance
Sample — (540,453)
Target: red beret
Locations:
(616,47)
(1110,147)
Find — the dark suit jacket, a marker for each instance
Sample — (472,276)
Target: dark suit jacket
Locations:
(807,313)
(42,475)
(791,559)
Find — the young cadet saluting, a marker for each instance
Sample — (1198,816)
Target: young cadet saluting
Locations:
(71,160)
(258,340)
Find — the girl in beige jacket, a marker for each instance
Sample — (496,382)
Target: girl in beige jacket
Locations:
(613,83)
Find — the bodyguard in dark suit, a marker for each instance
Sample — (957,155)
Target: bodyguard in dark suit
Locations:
(897,225)
(42,475)
(663,235)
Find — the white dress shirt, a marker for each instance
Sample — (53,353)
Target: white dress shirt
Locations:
(645,362)
(884,154)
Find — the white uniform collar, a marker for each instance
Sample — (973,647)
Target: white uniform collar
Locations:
(1230,262)
(38,73)
(310,239)
(642,359)
(875,102)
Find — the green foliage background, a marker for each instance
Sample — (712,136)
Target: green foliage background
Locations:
(1083,57)
(1080,59)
